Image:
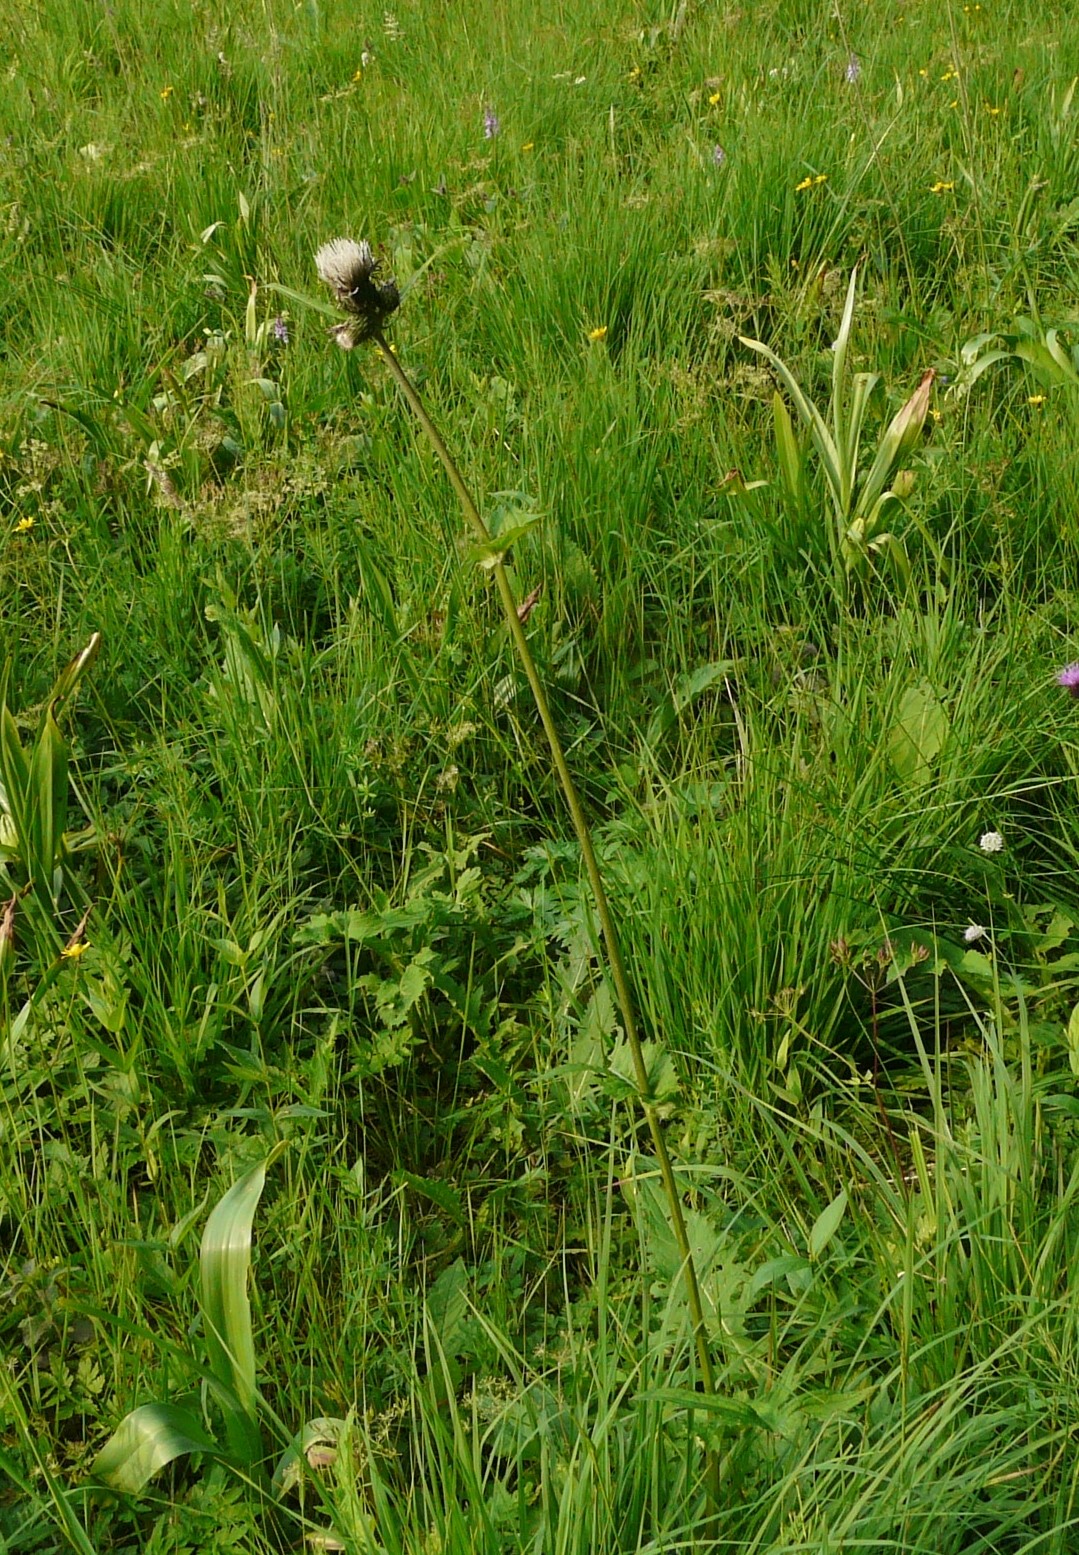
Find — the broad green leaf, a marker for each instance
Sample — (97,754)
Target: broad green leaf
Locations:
(145,1441)
(46,805)
(1073,1040)
(864,384)
(791,455)
(15,771)
(918,734)
(492,551)
(225,1260)
(809,413)
(447,1307)
(839,366)
(827,1224)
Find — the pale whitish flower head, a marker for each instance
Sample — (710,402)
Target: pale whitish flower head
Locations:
(348,269)
(974,932)
(991,842)
(853,70)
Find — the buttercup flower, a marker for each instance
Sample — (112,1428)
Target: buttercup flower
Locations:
(348,269)
(991,842)
(599,333)
(1069,679)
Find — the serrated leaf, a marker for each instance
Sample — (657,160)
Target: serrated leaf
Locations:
(146,1441)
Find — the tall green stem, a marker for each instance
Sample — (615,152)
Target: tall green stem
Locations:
(595,879)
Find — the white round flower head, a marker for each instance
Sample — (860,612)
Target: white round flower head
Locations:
(991,842)
(974,932)
(348,269)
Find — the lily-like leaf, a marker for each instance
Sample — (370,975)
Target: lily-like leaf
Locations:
(809,413)
(225,1260)
(145,1441)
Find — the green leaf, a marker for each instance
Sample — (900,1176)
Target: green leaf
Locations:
(1073,1040)
(492,551)
(225,1260)
(918,734)
(145,1441)
(791,455)
(827,1224)
(447,1307)
(686,690)
(809,413)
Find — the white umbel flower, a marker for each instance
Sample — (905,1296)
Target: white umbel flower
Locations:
(991,842)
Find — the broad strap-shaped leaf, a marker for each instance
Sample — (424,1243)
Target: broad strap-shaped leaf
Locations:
(145,1441)
(46,805)
(864,384)
(809,413)
(225,1260)
(839,370)
(791,458)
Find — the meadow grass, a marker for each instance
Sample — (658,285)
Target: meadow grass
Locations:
(336,903)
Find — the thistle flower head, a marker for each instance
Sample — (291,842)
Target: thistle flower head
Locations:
(348,269)
(1069,679)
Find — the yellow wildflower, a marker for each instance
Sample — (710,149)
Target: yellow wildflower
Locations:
(166,93)
(24,526)
(1036,399)
(807,183)
(599,333)
(528,145)
(715,98)
(940,187)
(990,109)
(73,952)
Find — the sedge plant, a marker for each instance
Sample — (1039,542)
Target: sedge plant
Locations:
(349,269)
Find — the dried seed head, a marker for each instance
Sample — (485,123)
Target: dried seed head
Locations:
(348,269)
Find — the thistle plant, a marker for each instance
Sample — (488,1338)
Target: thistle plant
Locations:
(348,268)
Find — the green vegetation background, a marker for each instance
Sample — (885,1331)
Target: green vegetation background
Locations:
(336,900)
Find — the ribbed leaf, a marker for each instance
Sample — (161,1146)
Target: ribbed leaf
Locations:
(809,413)
(145,1441)
(225,1261)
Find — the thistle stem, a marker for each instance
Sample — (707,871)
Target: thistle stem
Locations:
(595,879)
